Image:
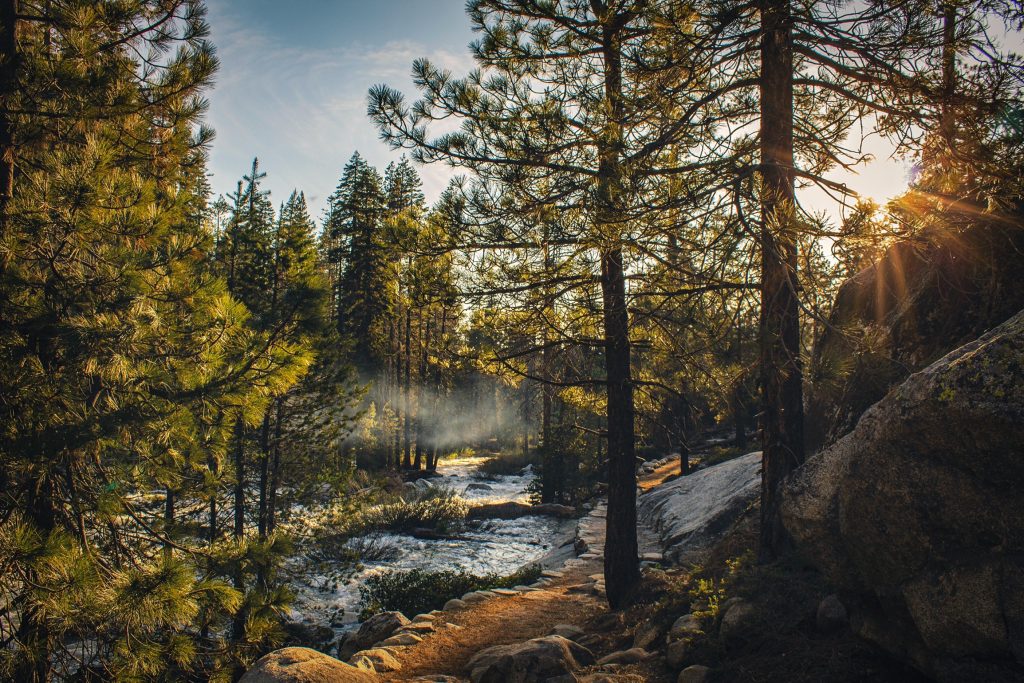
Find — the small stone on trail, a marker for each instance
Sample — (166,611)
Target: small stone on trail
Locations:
(505,591)
(552,574)
(454,604)
(694,674)
(402,639)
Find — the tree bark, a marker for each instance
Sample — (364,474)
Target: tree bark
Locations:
(781,371)
(275,469)
(33,633)
(406,399)
(8,86)
(947,123)
(239,478)
(264,485)
(168,520)
(621,568)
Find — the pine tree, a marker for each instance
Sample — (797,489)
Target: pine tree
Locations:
(366,287)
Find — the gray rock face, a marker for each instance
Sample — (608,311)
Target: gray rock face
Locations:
(692,512)
(374,630)
(922,300)
(919,511)
(303,665)
(534,660)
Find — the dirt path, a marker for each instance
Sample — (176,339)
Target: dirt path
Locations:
(573,598)
(499,621)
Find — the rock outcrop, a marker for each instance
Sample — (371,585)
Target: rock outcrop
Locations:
(303,665)
(917,515)
(692,512)
(376,629)
(535,660)
(923,299)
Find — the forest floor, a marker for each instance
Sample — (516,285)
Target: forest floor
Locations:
(568,599)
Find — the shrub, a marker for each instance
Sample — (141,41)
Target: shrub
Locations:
(431,508)
(418,591)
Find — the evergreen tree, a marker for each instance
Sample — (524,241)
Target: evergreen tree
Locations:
(366,288)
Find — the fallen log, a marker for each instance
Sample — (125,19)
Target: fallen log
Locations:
(514,510)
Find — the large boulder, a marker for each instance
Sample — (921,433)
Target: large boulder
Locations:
(923,299)
(376,629)
(692,512)
(303,665)
(917,515)
(534,660)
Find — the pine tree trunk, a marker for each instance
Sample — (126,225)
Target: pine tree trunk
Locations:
(239,478)
(947,123)
(621,567)
(213,504)
(397,398)
(424,342)
(781,371)
(264,484)
(275,469)
(407,399)
(739,405)
(8,82)
(551,485)
(168,521)
(33,634)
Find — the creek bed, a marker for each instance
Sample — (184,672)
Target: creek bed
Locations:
(327,598)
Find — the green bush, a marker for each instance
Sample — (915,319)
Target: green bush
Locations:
(418,591)
(431,508)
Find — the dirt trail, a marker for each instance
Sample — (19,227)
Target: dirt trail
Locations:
(569,599)
(500,621)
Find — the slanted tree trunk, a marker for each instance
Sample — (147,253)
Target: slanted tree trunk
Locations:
(781,371)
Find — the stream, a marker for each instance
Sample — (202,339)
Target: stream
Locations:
(327,596)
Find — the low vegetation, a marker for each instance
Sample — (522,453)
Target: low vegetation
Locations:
(418,591)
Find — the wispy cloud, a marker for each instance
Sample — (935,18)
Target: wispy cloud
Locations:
(302,109)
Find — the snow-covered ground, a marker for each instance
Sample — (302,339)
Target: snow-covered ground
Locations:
(326,598)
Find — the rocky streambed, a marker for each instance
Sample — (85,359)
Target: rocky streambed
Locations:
(327,595)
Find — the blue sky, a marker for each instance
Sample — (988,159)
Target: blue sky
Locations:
(293,80)
(294,76)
